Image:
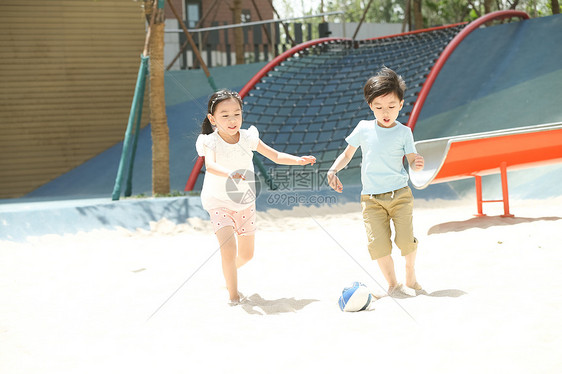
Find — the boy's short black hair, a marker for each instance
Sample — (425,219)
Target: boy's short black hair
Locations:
(384,82)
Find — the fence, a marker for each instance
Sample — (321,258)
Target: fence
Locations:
(262,41)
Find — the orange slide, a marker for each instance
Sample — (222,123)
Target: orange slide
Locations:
(474,155)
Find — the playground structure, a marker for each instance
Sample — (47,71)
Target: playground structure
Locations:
(308,99)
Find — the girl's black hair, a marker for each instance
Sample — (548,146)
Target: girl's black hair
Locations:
(384,82)
(214,100)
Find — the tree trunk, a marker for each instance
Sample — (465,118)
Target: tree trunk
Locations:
(488,6)
(238,36)
(555,6)
(418,18)
(406,21)
(158,119)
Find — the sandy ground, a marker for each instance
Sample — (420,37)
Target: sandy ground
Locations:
(155,301)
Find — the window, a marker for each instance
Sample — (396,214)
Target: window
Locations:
(246,16)
(192,12)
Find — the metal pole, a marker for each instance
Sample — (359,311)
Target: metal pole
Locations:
(137,98)
(129,183)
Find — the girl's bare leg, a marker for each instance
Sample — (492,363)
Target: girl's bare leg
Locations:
(245,249)
(227,242)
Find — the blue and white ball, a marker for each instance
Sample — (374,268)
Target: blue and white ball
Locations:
(355,298)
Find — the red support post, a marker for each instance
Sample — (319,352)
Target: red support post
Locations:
(194,173)
(479,202)
(505,192)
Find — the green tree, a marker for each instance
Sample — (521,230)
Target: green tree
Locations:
(555,6)
(435,12)
(389,11)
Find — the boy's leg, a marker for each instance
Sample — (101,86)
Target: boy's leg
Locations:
(402,216)
(245,249)
(227,243)
(411,271)
(377,227)
(386,265)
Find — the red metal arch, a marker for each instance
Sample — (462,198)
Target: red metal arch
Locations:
(424,92)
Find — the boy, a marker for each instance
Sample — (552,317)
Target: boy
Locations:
(385,195)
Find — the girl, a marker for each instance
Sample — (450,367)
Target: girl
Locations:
(228,161)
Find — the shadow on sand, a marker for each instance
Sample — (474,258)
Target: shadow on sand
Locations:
(483,223)
(255,304)
(440,293)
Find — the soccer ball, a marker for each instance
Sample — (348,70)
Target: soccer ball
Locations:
(355,298)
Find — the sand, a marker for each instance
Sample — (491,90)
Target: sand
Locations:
(155,301)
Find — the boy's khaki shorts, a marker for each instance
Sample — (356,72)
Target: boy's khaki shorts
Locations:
(378,210)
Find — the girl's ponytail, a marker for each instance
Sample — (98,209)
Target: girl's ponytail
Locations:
(206,127)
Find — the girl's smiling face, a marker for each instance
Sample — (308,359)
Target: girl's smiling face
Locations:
(227,117)
(386,109)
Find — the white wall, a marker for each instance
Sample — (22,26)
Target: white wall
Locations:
(171,44)
(367,30)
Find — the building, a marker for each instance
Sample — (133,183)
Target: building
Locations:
(218,47)
(67,72)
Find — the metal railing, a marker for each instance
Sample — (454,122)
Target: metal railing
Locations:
(262,41)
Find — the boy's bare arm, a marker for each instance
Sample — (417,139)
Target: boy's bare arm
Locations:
(415,161)
(342,160)
(339,164)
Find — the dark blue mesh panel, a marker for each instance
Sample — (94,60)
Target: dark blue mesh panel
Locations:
(310,102)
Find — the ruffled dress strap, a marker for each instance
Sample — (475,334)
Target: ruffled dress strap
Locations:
(253,137)
(205,141)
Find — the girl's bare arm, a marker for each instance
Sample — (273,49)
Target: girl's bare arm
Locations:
(283,158)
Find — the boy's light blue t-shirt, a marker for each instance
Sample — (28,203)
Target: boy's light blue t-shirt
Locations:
(382,168)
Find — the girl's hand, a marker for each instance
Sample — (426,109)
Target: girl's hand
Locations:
(335,182)
(305,160)
(236,175)
(418,163)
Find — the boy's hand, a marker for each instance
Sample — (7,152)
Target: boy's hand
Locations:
(335,182)
(305,160)
(418,163)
